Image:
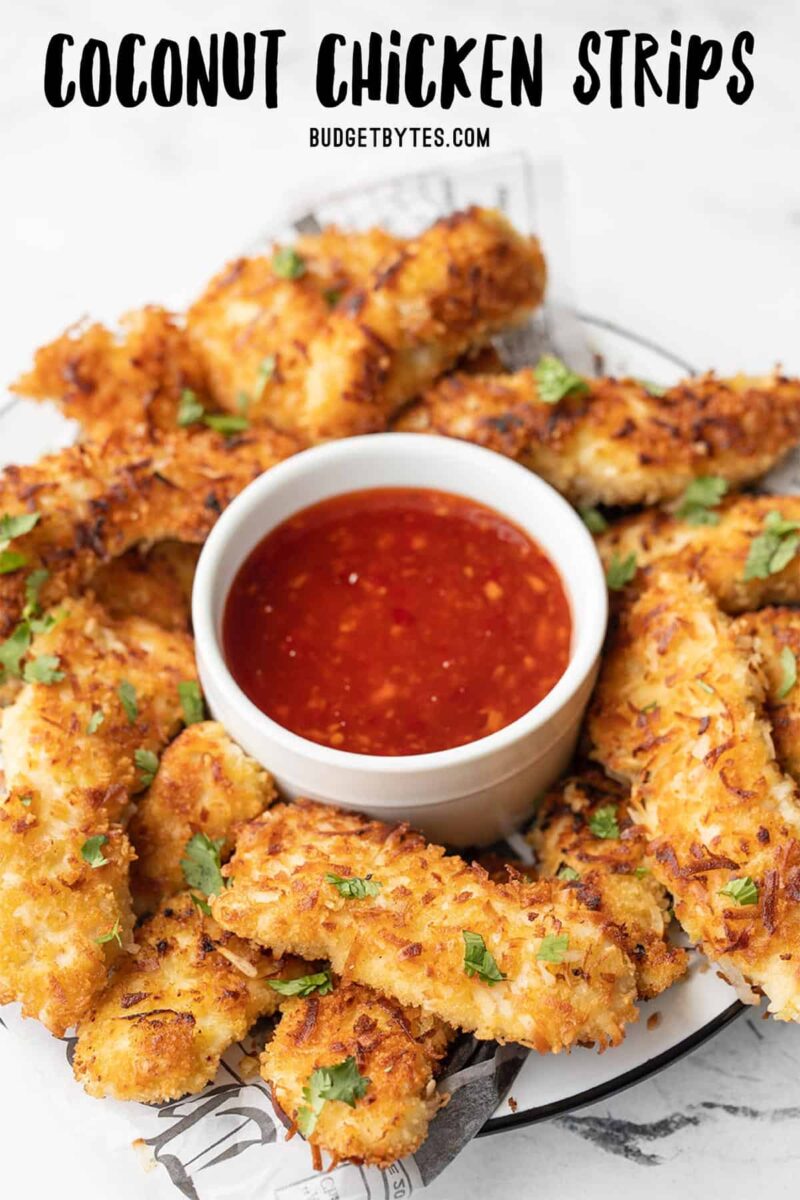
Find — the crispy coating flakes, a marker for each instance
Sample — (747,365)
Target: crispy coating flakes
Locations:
(408,939)
(775,633)
(156,581)
(614,443)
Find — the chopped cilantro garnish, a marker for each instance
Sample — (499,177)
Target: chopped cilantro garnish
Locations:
(43,669)
(743,891)
(226,423)
(593,519)
(340,1082)
(127,698)
(332,297)
(305,985)
(112,935)
(554,380)
(789,672)
(603,822)
(190,408)
(553,948)
(199,902)
(192,702)
(354,888)
(14,649)
(652,389)
(478,961)
(641,871)
(147,763)
(620,572)
(91,850)
(202,866)
(773,549)
(700,498)
(95,720)
(568,873)
(266,367)
(33,586)
(287,263)
(26,800)
(11,560)
(13,527)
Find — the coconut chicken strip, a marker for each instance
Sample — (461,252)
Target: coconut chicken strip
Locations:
(748,557)
(392,912)
(382,1059)
(157,581)
(99,702)
(678,712)
(175,1006)
(585,833)
(205,784)
(610,441)
(90,503)
(776,634)
(440,295)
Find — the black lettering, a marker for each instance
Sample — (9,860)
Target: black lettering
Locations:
(95,97)
(326,71)
(586,90)
(646,47)
(202,74)
(453,77)
(372,80)
(703,61)
(273,37)
(166,49)
(393,71)
(123,82)
(488,73)
(674,70)
(415,71)
(617,38)
(524,74)
(238,87)
(743,43)
(54,93)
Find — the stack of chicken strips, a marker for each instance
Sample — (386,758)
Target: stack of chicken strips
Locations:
(156,895)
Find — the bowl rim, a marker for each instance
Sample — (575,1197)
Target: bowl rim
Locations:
(588,633)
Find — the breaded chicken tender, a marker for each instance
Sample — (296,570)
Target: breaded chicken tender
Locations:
(70,750)
(174,1007)
(721,552)
(585,833)
(396,1048)
(614,442)
(776,634)
(205,784)
(678,712)
(402,930)
(156,581)
(96,501)
(441,294)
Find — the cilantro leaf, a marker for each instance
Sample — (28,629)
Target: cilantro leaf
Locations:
(287,263)
(304,986)
(192,702)
(568,873)
(478,961)
(190,409)
(701,496)
(652,389)
(593,519)
(603,822)
(332,296)
(772,550)
(620,571)
(112,935)
(33,586)
(199,902)
(12,527)
(743,891)
(14,649)
(43,669)
(789,669)
(91,851)
(226,423)
(147,762)
(554,380)
(202,866)
(266,367)
(641,872)
(127,698)
(354,888)
(95,720)
(553,948)
(10,561)
(340,1082)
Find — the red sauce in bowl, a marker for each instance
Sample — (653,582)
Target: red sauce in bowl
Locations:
(396,621)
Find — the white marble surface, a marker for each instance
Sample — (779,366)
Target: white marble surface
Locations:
(684,227)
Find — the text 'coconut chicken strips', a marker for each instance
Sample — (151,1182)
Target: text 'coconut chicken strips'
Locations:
(76,509)
(615,442)
(512,962)
(678,712)
(99,700)
(450,289)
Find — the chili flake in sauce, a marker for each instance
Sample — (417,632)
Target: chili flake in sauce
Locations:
(396,621)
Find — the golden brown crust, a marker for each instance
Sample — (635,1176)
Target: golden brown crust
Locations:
(397,1048)
(718,553)
(205,784)
(773,631)
(613,877)
(174,1007)
(678,712)
(156,581)
(617,444)
(407,941)
(67,785)
(96,501)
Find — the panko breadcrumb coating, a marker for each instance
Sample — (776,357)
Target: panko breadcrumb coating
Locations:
(96,501)
(397,1048)
(407,940)
(615,442)
(69,752)
(174,1007)
(678,712)
(585,832)
(155,581)
(205,784)
(776,633)
(718,552)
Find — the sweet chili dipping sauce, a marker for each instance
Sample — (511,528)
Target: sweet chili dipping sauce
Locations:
(396,621)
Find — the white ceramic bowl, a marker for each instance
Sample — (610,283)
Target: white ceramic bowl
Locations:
(473,794)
